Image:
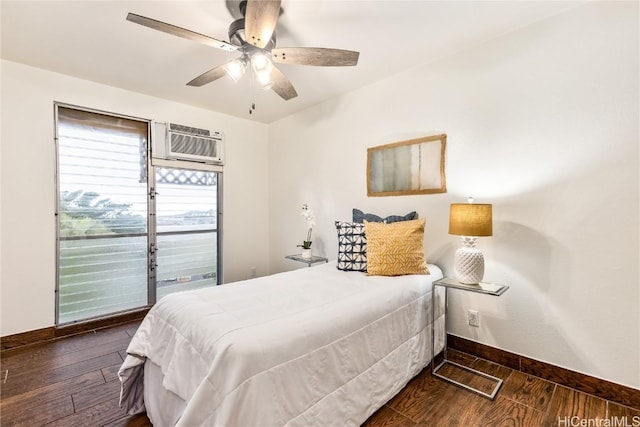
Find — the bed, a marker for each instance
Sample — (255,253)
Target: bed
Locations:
(313,346)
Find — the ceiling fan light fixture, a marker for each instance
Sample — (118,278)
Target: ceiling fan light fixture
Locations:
(261,66)
(236,69)
(261,63)
(264,79)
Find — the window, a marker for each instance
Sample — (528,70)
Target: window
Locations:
(110,248)
(186,229)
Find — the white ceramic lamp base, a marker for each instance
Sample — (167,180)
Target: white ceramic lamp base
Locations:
(469,265)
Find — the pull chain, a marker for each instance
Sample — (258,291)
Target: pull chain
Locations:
(252,88)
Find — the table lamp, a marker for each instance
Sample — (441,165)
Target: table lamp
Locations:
(469,221)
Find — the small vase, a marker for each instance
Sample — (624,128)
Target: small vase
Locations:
(306,253)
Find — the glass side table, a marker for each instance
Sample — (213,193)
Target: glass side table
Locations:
(483,288)
(309,261)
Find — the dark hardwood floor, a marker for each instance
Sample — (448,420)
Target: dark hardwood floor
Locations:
(72,382)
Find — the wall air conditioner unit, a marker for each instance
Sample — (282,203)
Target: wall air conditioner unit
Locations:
(177,142)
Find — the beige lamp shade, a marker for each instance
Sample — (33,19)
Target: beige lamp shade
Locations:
(470,219)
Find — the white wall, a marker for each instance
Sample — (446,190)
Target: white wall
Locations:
(27,184)
(542,123)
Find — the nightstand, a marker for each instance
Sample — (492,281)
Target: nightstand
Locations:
(309,261)
(482,288)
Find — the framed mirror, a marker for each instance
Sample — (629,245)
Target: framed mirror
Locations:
(415,166)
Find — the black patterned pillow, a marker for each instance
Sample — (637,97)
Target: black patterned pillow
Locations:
(352,246)
(360,217)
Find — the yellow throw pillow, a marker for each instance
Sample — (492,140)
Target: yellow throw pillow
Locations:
(395,249)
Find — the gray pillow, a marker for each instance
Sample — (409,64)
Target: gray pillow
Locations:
(360,217)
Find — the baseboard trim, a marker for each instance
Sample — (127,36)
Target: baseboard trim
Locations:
(40,336)
(604,389)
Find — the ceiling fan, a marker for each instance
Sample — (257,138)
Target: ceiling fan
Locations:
(254,37)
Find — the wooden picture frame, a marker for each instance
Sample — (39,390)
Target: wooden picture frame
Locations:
(414,166)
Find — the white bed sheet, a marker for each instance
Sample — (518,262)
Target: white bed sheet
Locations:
(314,346)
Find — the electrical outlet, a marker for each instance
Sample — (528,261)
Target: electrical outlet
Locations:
(252,271)
(474,318)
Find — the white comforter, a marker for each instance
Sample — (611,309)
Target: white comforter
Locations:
(314,346)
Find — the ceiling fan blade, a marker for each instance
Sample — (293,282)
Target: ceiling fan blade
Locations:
(281,85)
(209,76)
(319,56)
(260,21)
(180,32)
